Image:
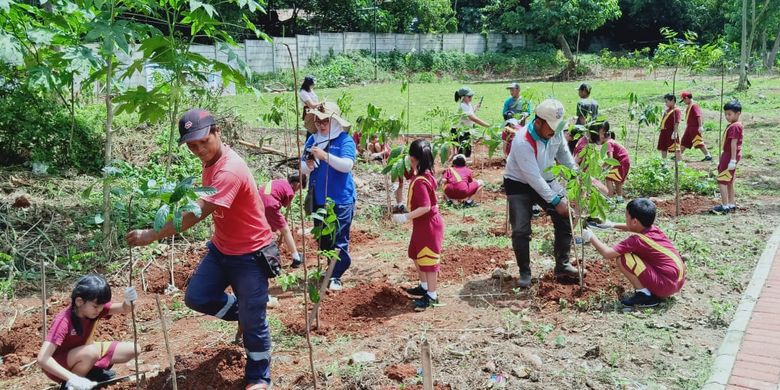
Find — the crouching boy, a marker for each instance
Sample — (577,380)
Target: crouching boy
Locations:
(647,258)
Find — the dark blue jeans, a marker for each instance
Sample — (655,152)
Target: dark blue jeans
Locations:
(206,294)
(344,213)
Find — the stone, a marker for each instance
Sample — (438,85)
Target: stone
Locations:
(501,274)
(521,372)
(362,357)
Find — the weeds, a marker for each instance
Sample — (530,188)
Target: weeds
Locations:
(719,312)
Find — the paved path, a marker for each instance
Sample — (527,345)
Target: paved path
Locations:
(749,357)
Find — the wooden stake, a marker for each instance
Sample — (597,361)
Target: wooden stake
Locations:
(170,261)
(43,296)
(132,304)
(720,120)
(427,366)
(323,286)
(171,359)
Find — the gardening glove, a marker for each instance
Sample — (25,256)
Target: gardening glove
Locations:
(732,165)
(130,295)
(480,183)
(400,218)
(587,235)
(604,225)
(80,383)
(296,256)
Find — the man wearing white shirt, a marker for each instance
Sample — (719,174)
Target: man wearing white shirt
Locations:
(527,181)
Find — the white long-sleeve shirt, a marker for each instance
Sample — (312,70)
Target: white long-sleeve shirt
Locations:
(530,157)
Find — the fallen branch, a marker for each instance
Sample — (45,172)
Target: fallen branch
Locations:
(263,149)
(427,366)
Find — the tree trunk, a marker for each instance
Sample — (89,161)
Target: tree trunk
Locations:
(772,56)
(107,155)
(743,50)
(565,47)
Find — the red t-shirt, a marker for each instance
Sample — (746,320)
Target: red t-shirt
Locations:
(275,195)
(240,226)
(617,151)
(656,251)
(692,116)
(580,145)
(733,131)
(670,119)
(63,334)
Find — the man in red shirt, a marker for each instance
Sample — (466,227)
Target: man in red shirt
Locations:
(278,194)
(239,251)
(647,258)
(694,123)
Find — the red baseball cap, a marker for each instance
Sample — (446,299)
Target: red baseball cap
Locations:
(685,95)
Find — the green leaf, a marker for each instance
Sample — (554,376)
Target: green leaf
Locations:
(5,5)
(177,218)
(181,189)
(10,51)
(314,293)
(87,191)
(192,207)
(204,191)
(98,219)
(161,217)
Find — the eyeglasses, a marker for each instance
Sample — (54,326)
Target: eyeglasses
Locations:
(321,121)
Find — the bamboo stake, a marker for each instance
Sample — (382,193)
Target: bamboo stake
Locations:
(171,359)
(132,304)
(43,296)
(303,218)
(427,366)
(170,261)
(720,119)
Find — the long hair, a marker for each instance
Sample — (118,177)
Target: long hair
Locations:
(457,96)
(308,82)
(421,150)
(89,288)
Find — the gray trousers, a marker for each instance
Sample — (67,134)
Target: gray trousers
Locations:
(520,220)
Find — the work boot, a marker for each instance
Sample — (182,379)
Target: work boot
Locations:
(567,270)
(524,281)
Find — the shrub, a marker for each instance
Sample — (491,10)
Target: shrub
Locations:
(655,177)
(36,127)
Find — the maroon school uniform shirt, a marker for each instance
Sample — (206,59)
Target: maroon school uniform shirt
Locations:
(692,115)
(656,251)
(63,334)
(733,131)
(427,229)
(618,152)
(276,194)
(670,119)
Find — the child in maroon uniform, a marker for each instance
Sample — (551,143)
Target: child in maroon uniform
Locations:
(647,258)
(694,123)
(732,153)
(459,183)
(617,174)
(427,225)
(667,139)
(69,354)
(275,195)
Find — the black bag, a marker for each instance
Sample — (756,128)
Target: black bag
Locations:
(268,259)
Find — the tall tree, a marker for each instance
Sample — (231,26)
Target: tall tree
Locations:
(743,52)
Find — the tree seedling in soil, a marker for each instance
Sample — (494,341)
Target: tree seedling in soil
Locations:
(586,200)
(643,114)
(171,359)
(328,225)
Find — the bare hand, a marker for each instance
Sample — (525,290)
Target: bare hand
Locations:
(562,208)
(310,164)
(140,237)
(318,153)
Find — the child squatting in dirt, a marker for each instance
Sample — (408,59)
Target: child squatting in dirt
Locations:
(69,355)
(459,183)
(647,258)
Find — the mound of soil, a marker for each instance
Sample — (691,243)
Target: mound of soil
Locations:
(400,372)
(220,367)
(362,236)
(689,204)
(158,277)
(461,262)
(601,278)
(355,310)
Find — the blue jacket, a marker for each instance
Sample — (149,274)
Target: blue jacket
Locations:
(341,187)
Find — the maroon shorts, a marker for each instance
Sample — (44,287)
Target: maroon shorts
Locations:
(618,173)
(725,176)
(692,138)
(665,141)
(659,284)
(461,191)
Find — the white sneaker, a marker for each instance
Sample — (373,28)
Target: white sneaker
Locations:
(335,285)
(272,302)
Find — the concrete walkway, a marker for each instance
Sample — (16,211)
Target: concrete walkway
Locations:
(749,357)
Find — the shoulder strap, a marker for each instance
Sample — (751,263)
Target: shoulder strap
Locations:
(268,188)
(531,141)
(456,175)
(411,190)
(666,251)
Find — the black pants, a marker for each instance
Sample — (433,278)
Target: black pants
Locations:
(463,140)
(521,198)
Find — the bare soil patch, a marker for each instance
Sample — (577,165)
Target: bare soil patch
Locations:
(689,204)
(461,262)
(184,265)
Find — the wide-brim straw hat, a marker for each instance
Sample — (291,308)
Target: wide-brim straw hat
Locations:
(324,111)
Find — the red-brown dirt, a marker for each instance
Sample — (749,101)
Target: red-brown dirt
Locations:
(461,262)
(351,310)
(602,278)
(220,367)
(436,386)
(21,202)
(362,236)
(400,372)
(689,204)
(184,265)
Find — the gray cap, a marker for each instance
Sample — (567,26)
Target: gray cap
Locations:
(513,86)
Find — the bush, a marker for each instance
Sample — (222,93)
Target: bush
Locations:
(634,59)
(655,177)
(35,127)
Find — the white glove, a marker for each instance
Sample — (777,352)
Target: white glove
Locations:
(604,225)
(296,256)
(674,135)
(587,235)
(732,165)
(480,183)
(130,295)
(80,383)
(400,218)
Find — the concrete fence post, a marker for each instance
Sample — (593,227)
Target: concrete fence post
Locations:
(464,42)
